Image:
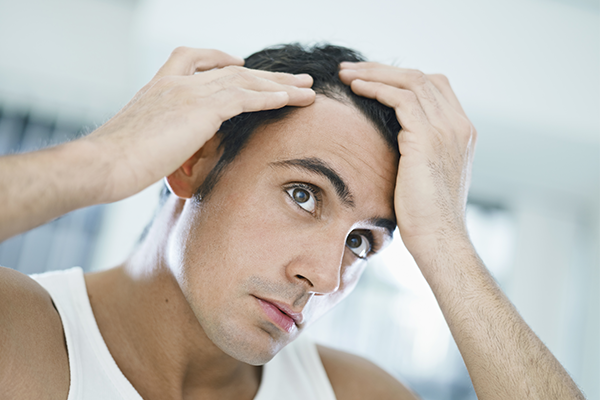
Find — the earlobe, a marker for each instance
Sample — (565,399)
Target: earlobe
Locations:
(186,180)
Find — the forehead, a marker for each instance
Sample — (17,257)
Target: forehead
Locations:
(338,134)
(322,126)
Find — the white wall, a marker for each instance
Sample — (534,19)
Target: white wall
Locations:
(591,330)
(553,286)
(526,71)
(66,57)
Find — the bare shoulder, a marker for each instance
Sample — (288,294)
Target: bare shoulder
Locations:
(33,354)
(354,377)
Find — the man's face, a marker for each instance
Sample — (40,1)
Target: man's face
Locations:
(286,230)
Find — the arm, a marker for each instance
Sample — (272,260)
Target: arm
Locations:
(167,121)
(505,359)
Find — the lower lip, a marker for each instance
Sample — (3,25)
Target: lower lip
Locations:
(276,316)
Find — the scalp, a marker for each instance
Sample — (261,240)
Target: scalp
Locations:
(33,354)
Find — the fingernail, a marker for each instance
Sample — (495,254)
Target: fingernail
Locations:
(303,76)
(306,90)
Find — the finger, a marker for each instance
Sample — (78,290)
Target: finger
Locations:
(299,80)
(296,96)
(408,109)
(195,87)
(431,99)
(442,83)
(235,101)
(362,65)
(187,61)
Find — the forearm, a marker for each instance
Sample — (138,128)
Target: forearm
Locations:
(40,186)
(505,359)
(168,121)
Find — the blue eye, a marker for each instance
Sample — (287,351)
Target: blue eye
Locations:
(359,244)
(304,198)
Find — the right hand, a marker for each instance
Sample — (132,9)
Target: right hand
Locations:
(178,111)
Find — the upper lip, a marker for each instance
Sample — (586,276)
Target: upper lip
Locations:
(298,317)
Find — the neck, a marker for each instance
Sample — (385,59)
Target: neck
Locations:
(152,332)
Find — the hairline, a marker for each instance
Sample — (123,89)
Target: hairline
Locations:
(214,176)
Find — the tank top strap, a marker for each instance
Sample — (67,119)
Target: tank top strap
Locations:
(94,373)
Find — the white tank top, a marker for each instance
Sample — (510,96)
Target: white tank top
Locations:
(296,373)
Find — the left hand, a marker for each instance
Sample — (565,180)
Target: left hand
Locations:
(436,143)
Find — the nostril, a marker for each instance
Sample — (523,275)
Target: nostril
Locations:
(303,278)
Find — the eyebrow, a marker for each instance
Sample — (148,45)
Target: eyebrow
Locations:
(320,167)
(388,224)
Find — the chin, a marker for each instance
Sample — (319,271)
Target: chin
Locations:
(256,347)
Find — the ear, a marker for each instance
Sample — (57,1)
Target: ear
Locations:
(186,180)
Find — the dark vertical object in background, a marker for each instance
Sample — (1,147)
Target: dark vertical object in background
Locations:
(65,242)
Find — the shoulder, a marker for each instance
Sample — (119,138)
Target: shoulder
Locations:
(21,300)
(354,377)
(33,355)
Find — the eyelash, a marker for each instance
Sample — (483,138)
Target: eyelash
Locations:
(373,245)
(313,190)
(371,238)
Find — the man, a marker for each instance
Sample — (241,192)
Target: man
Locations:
(266,228)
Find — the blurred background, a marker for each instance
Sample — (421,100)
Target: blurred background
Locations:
(527,73)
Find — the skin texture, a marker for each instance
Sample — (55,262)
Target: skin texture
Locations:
(172,314)
(248,240)
(252,238)
(33,354)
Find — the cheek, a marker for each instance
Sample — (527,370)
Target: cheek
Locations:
(232,238)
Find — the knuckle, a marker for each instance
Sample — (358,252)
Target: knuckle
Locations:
(466,129)
(441,82)
(417,77)
(409,96)
(378,88)
(474,133)
(180,51)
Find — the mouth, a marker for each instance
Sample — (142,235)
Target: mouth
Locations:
(280,314)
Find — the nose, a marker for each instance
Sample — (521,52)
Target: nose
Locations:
(318,263)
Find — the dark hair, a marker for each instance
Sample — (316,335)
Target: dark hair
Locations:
(322,63)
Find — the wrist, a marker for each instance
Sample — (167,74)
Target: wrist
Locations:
(89,170)
(440,256)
